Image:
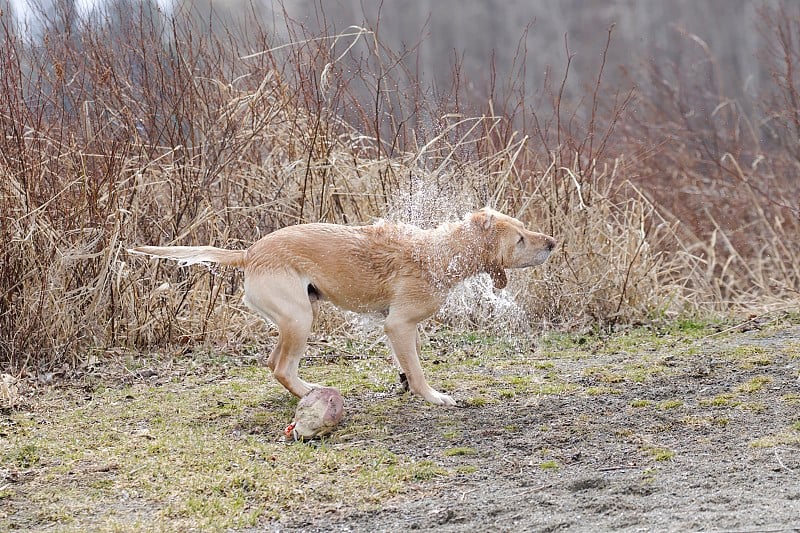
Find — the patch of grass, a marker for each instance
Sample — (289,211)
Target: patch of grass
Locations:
(651,338)
(549,384)
(726,399)
(604,375)
(373,374)
(649,475)
(520,383)
(792,350)
(670,404)
(549,465)
(661,454)
(602,391)
(643,371)
(792,399)
(748,356)
(755,407)
(789,437)
(476,401)
(463,450)
(694,327)
(204,450)
(754,385)
(452,434)
(553,388)
(706,421)
(558,341)
(424,471)
(209,458)
(25,456)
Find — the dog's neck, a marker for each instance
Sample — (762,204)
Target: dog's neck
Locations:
(454,252)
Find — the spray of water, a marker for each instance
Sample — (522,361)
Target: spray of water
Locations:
(475,303)
(427,204)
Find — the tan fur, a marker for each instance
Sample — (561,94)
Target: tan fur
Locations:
(399,270)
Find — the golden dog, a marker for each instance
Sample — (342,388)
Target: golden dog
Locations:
(399,270)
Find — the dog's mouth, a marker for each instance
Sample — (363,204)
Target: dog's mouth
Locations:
(531,261)
(499,277)
(541,257)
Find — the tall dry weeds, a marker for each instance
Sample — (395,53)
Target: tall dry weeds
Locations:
(723,170)
(137,128)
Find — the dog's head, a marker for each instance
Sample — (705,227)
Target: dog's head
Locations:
(509,244)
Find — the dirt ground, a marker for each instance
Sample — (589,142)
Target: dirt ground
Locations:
(692,429)
(711,445)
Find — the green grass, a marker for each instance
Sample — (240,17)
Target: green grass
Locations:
(660,454)
(670,404)
(210,457)
(705,421)
(25,456)
(604,375)
(788,437)
(463,450)
(738,395)
(549,465)
(748,356)
(792,350)
(754,385)
(792,398)
(476,401)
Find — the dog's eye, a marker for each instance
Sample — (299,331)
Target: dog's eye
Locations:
(521,240)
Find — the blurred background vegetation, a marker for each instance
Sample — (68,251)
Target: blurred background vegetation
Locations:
(658,141)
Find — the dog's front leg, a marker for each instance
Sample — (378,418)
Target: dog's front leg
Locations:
(402,375)
(403,340)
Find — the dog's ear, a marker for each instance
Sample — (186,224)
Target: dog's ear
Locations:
(485,218)
(499,277)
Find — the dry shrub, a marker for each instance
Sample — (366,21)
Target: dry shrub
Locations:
(723,170)
(136,128)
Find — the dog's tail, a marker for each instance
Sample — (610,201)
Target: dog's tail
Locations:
(190,255)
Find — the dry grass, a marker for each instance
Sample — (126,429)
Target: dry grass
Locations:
(137,128)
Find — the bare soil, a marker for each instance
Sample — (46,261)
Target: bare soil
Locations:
(712,444)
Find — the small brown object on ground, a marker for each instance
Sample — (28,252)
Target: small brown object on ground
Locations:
(318,412)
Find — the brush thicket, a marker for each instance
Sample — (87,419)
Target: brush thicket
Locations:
(137,129)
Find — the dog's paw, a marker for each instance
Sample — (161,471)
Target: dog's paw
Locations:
(301,388)
(437,398)
(312,386)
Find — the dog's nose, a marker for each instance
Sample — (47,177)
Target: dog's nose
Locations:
(551,243)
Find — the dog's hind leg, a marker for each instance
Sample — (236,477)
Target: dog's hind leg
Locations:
(292,312)
(293,330)
(404,342)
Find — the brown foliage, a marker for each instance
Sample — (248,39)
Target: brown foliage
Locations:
(142,129)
